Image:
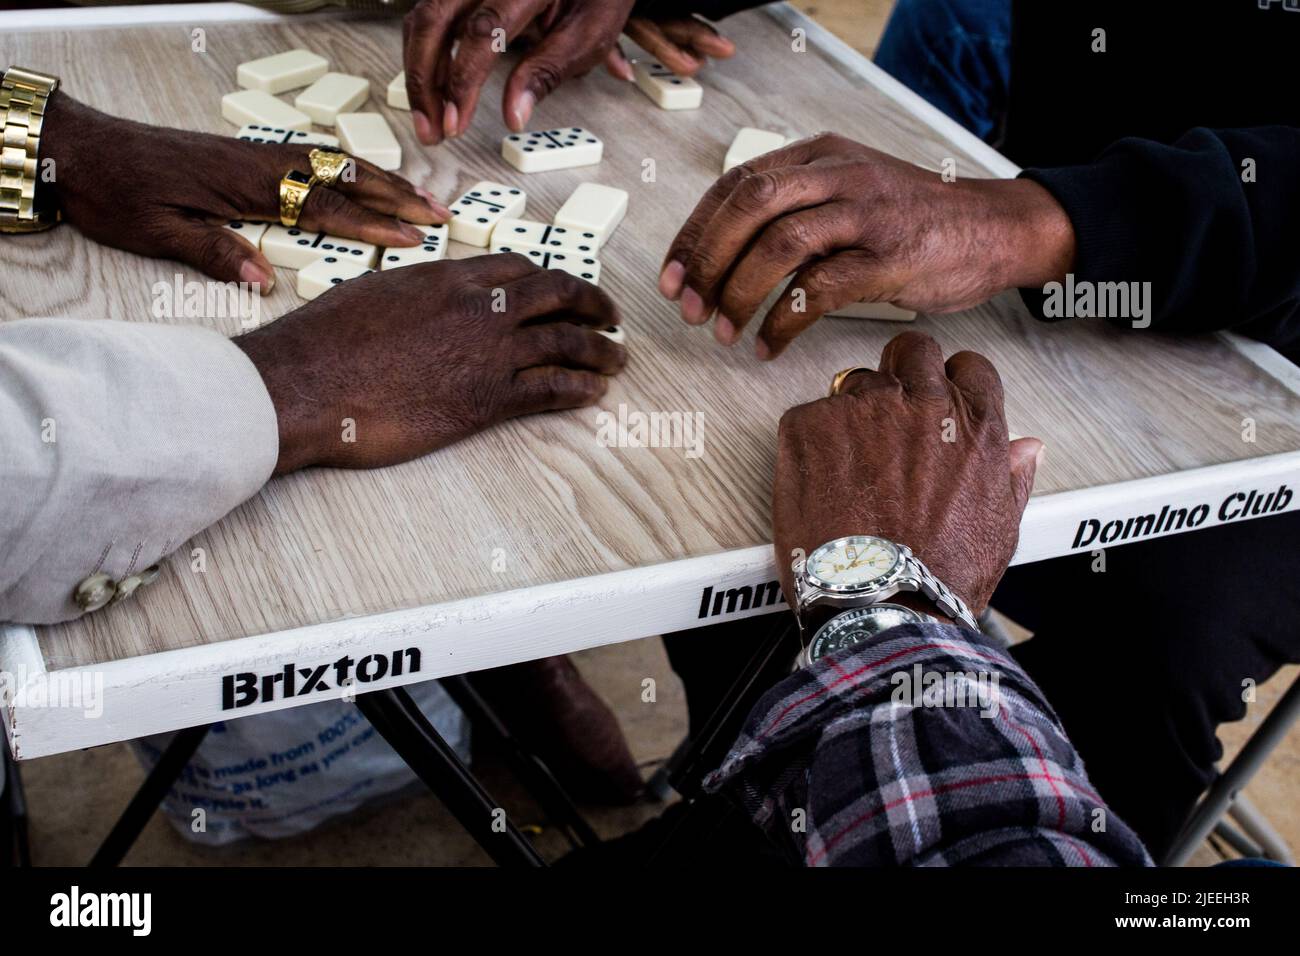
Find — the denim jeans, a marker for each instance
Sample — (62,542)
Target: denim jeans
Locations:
(956,54)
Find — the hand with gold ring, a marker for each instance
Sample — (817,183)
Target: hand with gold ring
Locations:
(295,187)
(327,164)
(169,194)
(838,381)
(916,451)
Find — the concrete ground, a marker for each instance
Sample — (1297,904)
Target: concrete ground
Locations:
(858,22)
(74,798)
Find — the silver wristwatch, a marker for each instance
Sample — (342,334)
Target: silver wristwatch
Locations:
(863,570)
(851,627)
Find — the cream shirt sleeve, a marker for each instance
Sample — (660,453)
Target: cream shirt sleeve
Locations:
(118,442)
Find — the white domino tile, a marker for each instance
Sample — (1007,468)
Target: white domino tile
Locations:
(397,97)
(518,235)
(325,273)
(282,71)
(749,143)
(668,90)
(245,107)
(433,248)
(614,333)
(252,231)
(332,94)
(476,212)
(593,208)
(368,136)
(296,248)
(255,133)
(584,267)
(882,311)
(548,149)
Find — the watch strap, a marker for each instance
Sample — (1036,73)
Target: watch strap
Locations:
(948,602)
(24,96)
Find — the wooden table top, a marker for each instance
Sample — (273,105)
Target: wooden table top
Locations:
(1113,406)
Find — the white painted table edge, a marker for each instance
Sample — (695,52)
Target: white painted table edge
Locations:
(46,712)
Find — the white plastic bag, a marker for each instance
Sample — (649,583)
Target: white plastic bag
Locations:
(284,773)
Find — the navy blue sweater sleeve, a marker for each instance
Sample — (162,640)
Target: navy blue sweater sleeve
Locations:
(1212,221)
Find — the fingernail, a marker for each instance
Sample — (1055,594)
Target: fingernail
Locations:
(251,273)
(439,210)
(423,128)
(724,330)
(450,120)
(413,233)
(670,280)
(1038,459)
(523,110)
(762,351)
(692,306)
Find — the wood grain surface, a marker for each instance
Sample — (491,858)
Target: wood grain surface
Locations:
(542,493)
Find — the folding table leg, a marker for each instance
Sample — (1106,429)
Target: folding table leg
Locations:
(778,645)
(399,721)
(149,796)
(530,769)
(17,850)
(1221,794)
(1268,842)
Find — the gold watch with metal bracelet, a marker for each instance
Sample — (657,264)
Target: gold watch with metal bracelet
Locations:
(24,95)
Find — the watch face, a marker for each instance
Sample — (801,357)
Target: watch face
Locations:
(857,563)
(855,626)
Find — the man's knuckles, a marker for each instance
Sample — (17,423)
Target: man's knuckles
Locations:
(794,238)
(544,74)
(325,204)
(472,304)
(426,16)
(828,142)
(757,192)
(556,387)
(483,23)
(825,284)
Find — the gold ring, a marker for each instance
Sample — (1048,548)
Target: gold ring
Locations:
(327,164)
(838,382)
(295,187)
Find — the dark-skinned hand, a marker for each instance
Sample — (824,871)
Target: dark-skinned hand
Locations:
(420,357)
(683,44)
(570,37)
(168,193)
(853,224)
(874,460)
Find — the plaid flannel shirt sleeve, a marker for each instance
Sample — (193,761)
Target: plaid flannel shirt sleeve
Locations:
(926,746)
